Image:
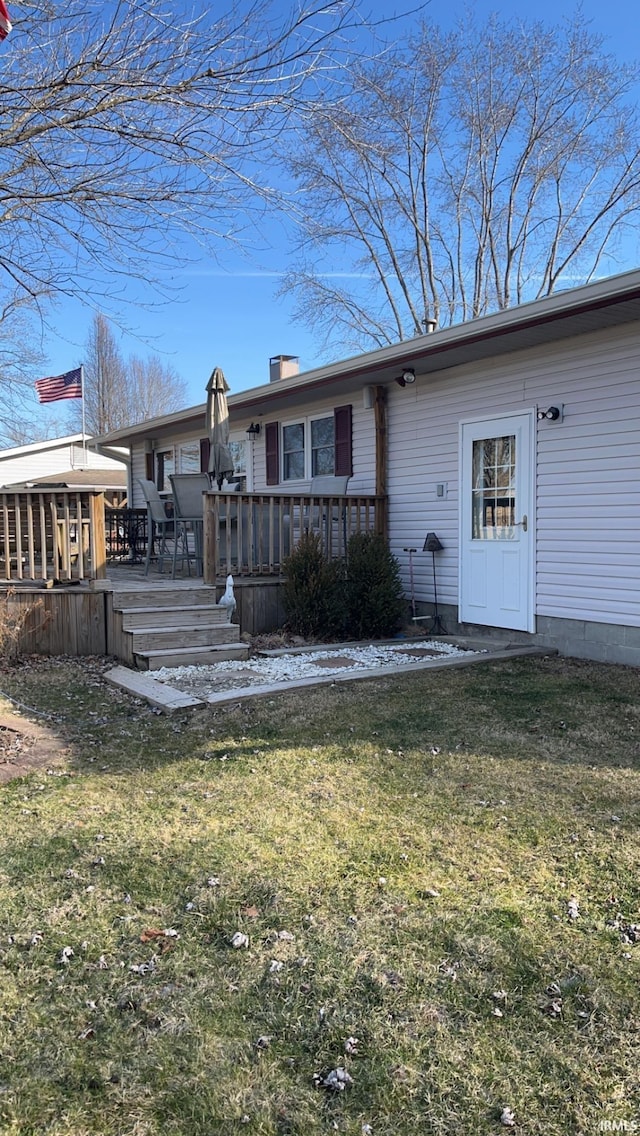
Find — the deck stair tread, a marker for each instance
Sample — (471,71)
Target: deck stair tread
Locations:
(188,616)
(175,607)
(192,656)
(161,638)
(165,597)
(219,626)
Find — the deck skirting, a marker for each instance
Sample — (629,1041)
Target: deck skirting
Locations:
(64,621)
(81,619)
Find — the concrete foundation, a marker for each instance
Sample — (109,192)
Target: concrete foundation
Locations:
(577,638)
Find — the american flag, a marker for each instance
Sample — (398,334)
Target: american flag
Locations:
(54,387)
(5,22)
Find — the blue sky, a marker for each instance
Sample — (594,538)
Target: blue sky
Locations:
(227,314)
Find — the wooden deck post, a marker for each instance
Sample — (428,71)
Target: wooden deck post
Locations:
(96,536)
(209,523)
(380,410)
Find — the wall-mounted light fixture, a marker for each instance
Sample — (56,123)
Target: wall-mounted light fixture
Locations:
(254,429)
(553,414)
(406,378)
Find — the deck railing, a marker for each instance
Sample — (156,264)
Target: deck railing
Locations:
(60,534)
(251,534)
(52,534)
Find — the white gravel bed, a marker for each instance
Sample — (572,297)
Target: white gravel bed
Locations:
(268,671)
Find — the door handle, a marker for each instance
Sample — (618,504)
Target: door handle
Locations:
(524,522)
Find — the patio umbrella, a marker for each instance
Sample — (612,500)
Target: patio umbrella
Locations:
(220,459)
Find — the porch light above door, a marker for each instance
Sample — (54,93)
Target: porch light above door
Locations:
(553,414)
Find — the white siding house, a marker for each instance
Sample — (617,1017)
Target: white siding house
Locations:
(67,457)
(516,439)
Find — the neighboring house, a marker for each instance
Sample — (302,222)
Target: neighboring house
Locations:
(514,437)
(65,462)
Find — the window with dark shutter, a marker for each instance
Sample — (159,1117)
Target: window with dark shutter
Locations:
(343,452)
(272,452)
(205,446)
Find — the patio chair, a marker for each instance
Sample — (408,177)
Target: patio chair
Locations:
(189,513)
(323,520)
(159,524)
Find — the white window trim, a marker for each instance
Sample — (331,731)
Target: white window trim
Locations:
(304,421)
(195,442)
(248,454)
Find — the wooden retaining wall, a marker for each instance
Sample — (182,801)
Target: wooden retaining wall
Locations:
(66,622)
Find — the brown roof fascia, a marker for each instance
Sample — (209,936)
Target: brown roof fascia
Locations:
(435,348)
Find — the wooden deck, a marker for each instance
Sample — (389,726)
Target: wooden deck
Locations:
(81,619)
(62,568)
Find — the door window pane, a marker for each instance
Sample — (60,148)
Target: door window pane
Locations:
(493,488)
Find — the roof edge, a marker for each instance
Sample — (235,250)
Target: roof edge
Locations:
(559,305)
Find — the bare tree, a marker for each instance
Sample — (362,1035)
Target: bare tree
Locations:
(124,126)
(20,355)
(119,392)
(463,173)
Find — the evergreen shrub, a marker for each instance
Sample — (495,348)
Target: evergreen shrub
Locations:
(375,600)
(314,594)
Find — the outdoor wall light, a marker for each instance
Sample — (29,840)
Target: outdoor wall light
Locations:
(552,414)
(253,429)
(406,378)
(433,544)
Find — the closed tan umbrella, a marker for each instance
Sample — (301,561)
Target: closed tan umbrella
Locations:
(217,424)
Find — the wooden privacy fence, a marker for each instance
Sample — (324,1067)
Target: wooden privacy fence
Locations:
(251,534)
(52,534)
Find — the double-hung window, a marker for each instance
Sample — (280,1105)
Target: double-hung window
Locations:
(308,448)
(314,446)
(293,451)
(322,445)
(189,457)
(165,466)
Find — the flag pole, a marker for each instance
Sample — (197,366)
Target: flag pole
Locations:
(84,430)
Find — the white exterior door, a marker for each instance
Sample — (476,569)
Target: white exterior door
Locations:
(497,522)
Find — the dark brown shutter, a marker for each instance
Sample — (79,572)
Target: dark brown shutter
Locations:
(205,447)
(272,452)
(148,466)
(342,426)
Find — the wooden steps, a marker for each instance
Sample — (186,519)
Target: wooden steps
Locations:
(191,615)
(172,627)
(203,634)
(192,656)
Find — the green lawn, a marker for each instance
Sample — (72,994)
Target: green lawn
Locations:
(403,855)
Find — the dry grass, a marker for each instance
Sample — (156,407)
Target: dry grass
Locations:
(420,839)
